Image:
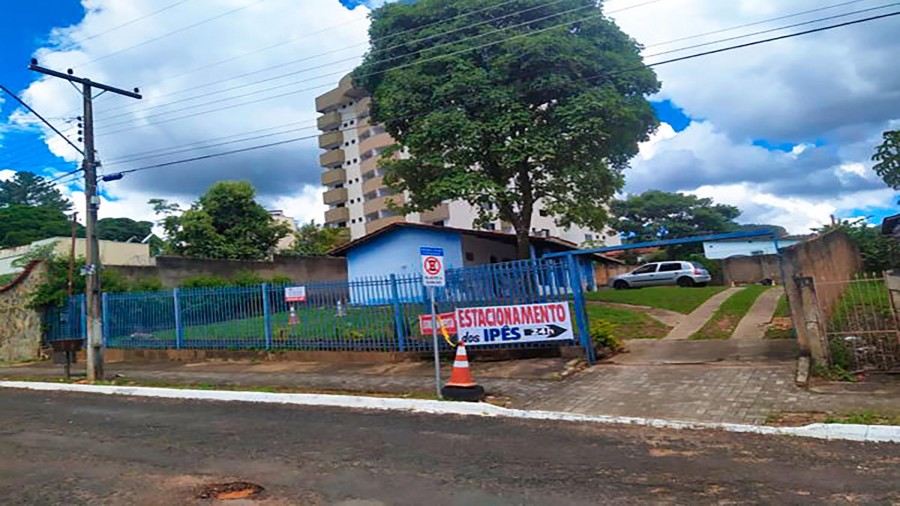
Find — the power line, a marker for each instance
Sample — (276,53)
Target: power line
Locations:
(770,30)
(72,44)
(167,34)
(423,60)
(747,25)
(653,64)
(355,57)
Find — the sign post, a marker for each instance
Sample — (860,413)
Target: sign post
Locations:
(433,276)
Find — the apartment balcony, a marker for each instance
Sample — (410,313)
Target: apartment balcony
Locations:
(381,203)
(381,140)
(373,184)
(382,222)
(332,159)
(332,100)
(329,121)
(439,213)
(333,177)
(331,139)
(337,215)
(369,164)
(335,196)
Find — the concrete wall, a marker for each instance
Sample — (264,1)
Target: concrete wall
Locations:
(604,272)
(111,252)
(746,270)
(807,268)
(172,271)
(20,326)
(397,252)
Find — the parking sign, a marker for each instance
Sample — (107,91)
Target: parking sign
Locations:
(432,266)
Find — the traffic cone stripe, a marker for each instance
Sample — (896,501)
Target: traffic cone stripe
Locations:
(461,376)
(461,364)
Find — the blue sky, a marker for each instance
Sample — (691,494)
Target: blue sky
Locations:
(776,130)
(24,27)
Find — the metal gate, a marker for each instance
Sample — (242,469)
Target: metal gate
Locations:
(861,325)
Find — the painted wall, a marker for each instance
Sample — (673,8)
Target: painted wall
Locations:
(723,249)
(483,249)
(111,252)
(397,252)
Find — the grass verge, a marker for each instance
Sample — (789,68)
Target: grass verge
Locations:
(782,310)
(673,298)
(857,417)
(729,314)
(629,323)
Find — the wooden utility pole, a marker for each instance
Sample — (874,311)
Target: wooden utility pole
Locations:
(92,256)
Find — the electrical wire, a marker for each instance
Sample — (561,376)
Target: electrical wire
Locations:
(652,64)
(72,44)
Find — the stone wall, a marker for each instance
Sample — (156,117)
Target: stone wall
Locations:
(172,271)
(20,326)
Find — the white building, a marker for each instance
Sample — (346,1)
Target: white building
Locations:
(355,192)
(717,250)
(111,252)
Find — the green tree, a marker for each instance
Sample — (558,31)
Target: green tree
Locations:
(24,224)
(123,229)
(521,114)
(226,222)
(887,156)
(655,215)
(29,189)
(315,240)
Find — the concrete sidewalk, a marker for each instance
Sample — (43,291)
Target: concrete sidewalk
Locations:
(695,321)
(719,384)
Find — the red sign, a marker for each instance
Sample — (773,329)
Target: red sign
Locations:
(432,266)
(448,320)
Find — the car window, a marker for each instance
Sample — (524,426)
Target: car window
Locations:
(645,269)
(698,265)
(675,266)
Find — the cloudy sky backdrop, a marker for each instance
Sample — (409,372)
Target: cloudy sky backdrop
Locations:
(783,130)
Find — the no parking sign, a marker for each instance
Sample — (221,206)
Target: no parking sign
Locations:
(432,266)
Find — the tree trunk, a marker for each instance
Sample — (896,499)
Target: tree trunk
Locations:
(523,245)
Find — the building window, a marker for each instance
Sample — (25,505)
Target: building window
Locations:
(470,257)
(489,226)
(544,213)
(342,224)
(588,237)
(353,141)
(438,223)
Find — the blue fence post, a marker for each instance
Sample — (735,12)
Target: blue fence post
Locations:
(179,328)
(83,317)
(584,330)
(104,316)
(267,315)
(399,329)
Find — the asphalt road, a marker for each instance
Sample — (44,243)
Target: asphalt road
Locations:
(95,449)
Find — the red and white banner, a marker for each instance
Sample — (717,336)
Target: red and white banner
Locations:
(526,323)
(448,320)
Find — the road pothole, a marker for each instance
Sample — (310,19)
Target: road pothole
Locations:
(229,491)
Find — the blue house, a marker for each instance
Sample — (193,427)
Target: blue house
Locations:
(395,250)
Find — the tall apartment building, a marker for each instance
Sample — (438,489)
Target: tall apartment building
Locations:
(355,192)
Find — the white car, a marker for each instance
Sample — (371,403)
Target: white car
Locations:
(663,273)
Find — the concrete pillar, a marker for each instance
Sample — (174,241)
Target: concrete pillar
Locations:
(808,319)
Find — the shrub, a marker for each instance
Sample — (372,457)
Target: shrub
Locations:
(603,335)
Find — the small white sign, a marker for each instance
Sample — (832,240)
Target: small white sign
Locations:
(432,266)
(295,294)
(525,323)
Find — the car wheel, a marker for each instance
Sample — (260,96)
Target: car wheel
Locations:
(685,282)
(620,285)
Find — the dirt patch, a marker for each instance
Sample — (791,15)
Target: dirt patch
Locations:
(796,419)
(230,491)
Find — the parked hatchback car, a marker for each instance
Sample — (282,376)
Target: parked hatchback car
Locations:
(663,273)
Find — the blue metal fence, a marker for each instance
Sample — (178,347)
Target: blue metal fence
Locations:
(377,314)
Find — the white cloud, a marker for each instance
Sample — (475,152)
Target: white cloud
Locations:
(164,68)
(7,174)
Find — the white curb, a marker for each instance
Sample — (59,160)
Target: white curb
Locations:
(848,432)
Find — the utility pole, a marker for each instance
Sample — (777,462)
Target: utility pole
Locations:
(92,257)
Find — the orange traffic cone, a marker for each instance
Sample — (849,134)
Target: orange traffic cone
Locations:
(462,386)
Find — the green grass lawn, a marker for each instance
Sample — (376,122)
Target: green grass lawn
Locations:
(630,324)
(673,298)
(782,310)
(726,318)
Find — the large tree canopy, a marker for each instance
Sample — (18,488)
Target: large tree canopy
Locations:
(29,189)
(123,229)
(22,224)
(537,101)
(226,223)
(656,215)
(887,156)
(314,240)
